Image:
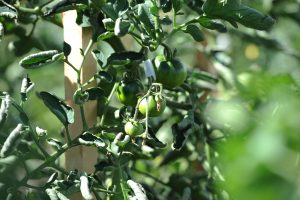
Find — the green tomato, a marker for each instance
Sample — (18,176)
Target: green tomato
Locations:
(127,92)
(171,73)
(133,128)
(156,105)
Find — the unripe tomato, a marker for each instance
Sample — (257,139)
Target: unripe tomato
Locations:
(133,128)
(127,92)
(156,105)
(171,73)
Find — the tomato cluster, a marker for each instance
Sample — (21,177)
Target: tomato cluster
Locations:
(170,73)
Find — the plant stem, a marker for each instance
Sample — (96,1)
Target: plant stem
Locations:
(49,159)
(68,134)
(71,65)
(32,131)
(62,170)
(84,123)
(137,38)
(107,103)
(33,27)
(79,85)
(137,105)
(34,187)
(146,123)
(96,194)
(103,190)
(33,135)
(86,51)
(150,176)
(35,10)
(122,180)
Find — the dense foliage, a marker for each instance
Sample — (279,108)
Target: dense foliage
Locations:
(196,100)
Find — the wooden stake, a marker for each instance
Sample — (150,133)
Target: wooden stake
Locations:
(81,158)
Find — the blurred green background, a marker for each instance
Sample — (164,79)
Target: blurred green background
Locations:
(255,105)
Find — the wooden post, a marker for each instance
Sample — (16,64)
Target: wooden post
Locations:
(81,158)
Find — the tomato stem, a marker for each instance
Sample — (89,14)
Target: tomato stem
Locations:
(107,103)
(68,134)
(144,136)
(122,180)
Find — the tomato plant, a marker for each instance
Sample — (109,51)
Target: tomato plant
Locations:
(182,101)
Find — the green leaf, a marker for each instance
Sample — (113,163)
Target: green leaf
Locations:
(216,7)
(51,179)
(11,140)
(5,104)
(123,58)
(66,49)
(138,190)
(122,27)
(233,11)
(153,140)
(109,10)
(181,132)
(72,176)
(62,111)
(212,24)
(154,10)
(103,165)
(103,75)
(90,139)
(55,195)
(40,59)
(99,57)
(1,31)
(109,24)
(125,158)
(205,76)
(172,156)
(121,6)
(177,4)
(55,143)
(83,18)
(95,93)
(105,35)
(145,17)
(195,32)
(7,10)
(253,19)
(166,5)
(52,194)
(195,5)
(84,187)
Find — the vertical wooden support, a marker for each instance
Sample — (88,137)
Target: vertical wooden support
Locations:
(81,158)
